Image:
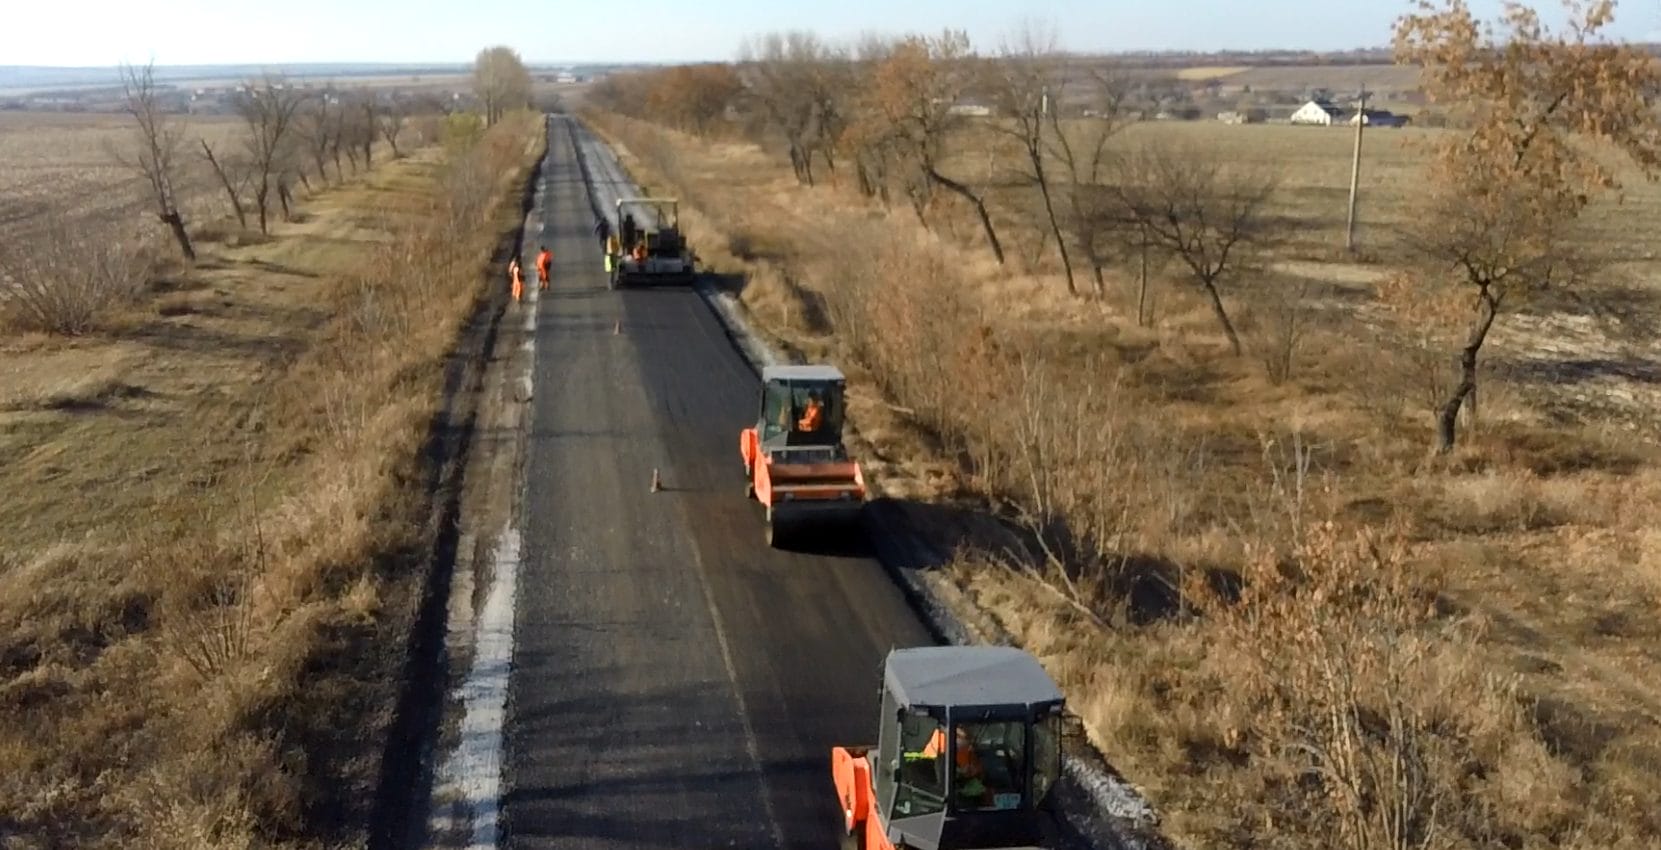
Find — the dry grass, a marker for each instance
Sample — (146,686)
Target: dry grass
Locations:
(217,515)
(1498,634)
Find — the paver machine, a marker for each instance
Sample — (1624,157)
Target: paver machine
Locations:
(967,752)
(653,249)
(795,463)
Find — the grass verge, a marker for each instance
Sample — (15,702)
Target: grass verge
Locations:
(219,518)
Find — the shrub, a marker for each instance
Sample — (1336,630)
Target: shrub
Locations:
(69,284)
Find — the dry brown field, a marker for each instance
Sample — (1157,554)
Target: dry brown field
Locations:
(1337,78)
(56,169)
(1509,611)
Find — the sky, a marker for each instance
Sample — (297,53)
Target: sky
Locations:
(101,33)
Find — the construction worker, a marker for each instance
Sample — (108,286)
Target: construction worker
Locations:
(518,281)
(640,252)
(968,767)
(629,230)
(602,229)
(812,415)
(614,249)
(544,266)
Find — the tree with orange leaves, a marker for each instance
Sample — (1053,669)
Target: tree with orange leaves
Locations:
(1508,187)
(912,94)
(693,97)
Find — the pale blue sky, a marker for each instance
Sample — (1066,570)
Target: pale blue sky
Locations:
(102,32)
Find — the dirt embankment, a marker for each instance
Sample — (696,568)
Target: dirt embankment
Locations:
(224,515)
(1259,593)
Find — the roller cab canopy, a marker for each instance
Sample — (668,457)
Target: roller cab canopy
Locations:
(977,679)
(786,393)
(969,748)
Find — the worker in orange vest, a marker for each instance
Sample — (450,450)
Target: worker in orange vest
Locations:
(968,768)
(518,281)
(544,265)
(811,416)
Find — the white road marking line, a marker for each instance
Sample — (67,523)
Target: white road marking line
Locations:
(471,774)
(474,773)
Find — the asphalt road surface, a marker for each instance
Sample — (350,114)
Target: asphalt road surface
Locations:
(677,683)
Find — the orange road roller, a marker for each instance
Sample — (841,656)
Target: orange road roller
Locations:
(968,749)
(795,464)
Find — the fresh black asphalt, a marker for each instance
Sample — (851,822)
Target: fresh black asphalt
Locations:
(676,682)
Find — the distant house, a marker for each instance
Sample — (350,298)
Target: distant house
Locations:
(1378,118)
(1319,113)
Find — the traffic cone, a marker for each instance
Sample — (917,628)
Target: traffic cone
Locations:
(657,483)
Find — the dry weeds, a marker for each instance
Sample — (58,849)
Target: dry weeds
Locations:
(217,516)
(1274,611)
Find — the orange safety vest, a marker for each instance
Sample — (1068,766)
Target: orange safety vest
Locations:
(640,252)
(810,418)
(966,758)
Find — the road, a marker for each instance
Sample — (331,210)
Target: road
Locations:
(676,682)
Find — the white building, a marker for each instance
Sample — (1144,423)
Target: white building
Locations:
(1378,118)
(1317,112)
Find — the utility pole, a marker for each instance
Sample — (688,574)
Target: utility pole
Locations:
(1355,169)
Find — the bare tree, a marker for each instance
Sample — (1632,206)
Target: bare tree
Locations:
(155,152)
(268,109)
(224,169)
(501,81)
(317,129)
(390,122)
(1083,158)
(368,124)
(1506,192)
(915,92)
(791,77)
(869,144)
(1025,84)
(1206,215)
(343,136)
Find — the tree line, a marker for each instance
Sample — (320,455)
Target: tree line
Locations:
(895,113)
(289,135)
